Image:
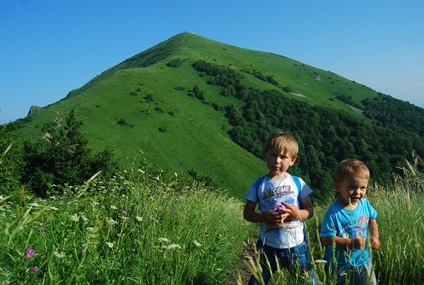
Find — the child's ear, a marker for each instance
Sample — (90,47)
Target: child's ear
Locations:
(336,187)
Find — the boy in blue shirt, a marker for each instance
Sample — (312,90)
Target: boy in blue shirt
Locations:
(284,205)
(345,227)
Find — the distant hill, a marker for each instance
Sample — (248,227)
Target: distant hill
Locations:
(196,105)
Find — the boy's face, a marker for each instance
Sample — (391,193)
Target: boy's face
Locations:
(351,190)
(278,163)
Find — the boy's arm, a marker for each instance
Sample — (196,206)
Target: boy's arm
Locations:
(270,216)
(375,236)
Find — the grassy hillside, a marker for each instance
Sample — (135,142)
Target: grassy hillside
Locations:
(142,110)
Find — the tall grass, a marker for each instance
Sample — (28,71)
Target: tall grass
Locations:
(150,228)
(153,231)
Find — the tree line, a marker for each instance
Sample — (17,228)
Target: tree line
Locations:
(325,135)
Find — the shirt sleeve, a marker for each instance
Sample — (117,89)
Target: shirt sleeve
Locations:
(328,227)
(305,190)
(252,194)
(372,212)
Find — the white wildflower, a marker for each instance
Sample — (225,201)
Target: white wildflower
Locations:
(34,204)
(85,219)
(320,261)
(109,244)
(59,255)
(113,207)
(138,218)
(198,244)
(75,218)
(54,209)
(171,246)
(112,222)
(164,240)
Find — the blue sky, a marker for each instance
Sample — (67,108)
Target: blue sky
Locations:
(50,47)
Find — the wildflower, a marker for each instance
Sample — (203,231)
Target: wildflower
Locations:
(34,204)
(43,229)
(75,218)
(171,246)
(85,219)
(29,252)
(112,222)
(33,269)
(164,239)
(124,212)
(198,244)
(59,255)
(113,207)
(138,218)
(54,209)
(109,244)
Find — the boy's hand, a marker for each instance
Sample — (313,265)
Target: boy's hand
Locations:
(375,242)
(291,210)
(358,243)
(274,217)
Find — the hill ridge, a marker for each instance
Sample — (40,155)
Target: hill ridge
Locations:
(205,108)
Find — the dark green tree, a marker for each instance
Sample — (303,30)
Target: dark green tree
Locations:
(62,158)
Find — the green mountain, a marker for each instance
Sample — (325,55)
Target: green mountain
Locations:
(191,104)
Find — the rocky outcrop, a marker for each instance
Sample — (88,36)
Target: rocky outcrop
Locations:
(33,109)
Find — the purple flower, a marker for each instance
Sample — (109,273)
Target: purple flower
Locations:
(33,269)
(124,213)
(43,229)
(29,252)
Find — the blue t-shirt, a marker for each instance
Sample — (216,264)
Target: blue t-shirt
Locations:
(346,223)
(269,194)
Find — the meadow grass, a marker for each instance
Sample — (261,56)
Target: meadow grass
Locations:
(150,228)
(153,231)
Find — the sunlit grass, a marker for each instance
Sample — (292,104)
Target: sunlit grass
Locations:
(149,228)
(121,232)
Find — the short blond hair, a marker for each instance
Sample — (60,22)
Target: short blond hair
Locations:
(283,142)
(353,167)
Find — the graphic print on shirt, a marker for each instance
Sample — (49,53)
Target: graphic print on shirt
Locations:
(274,198)
(354,229)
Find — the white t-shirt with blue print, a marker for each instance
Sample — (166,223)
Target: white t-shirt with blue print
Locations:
(269,194)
